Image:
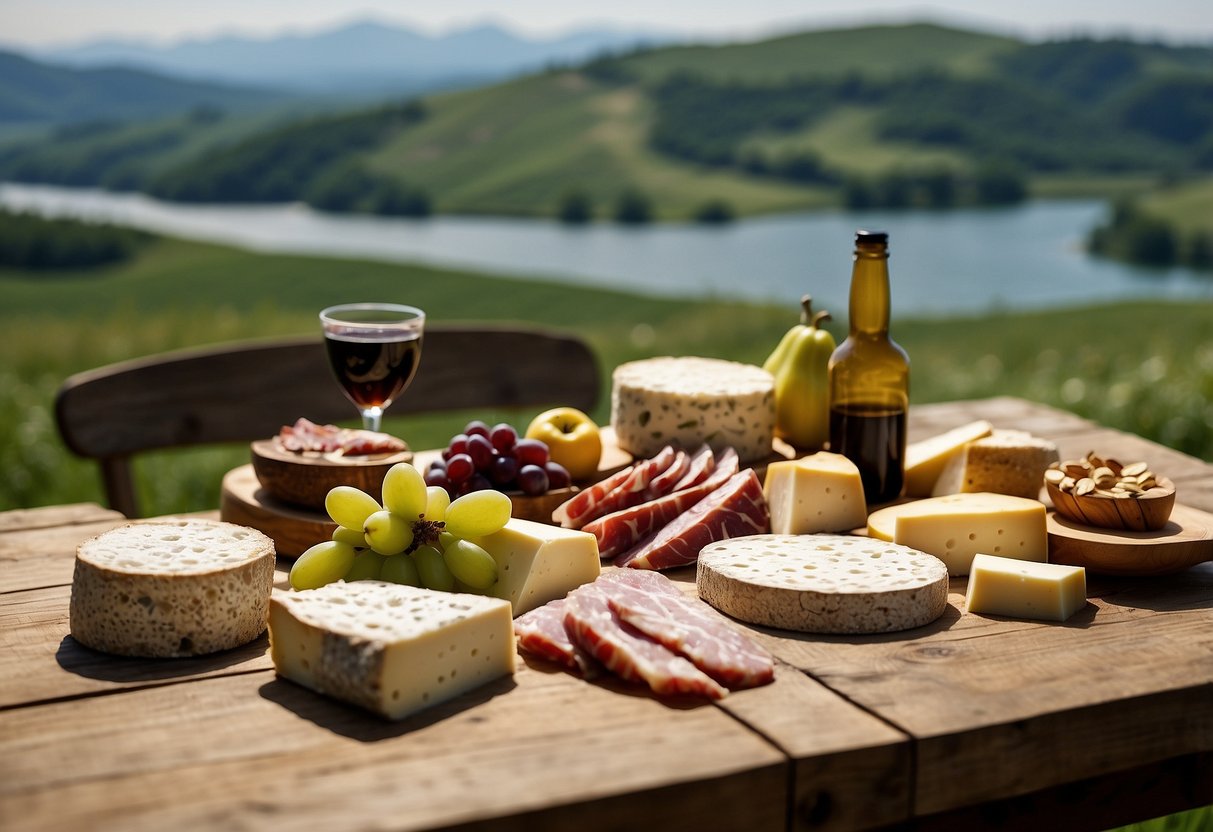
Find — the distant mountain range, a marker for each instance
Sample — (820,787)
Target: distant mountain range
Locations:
(367,58)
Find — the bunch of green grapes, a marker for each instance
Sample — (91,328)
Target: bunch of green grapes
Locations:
(417,537)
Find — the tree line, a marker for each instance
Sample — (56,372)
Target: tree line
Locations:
(29,241)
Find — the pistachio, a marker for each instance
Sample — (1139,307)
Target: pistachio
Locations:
(1096,477)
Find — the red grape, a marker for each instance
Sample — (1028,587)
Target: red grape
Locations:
(503,436)
(477,428)
(458,444)
(479,483)
(438,478)
(459,468)
(481,451)
(533,480)
(437,465)
(558,475)
(531,452)
(503,470)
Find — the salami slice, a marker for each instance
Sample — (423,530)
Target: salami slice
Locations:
(541,632)
(734,509)
(621,530)
(627,653)
(692,629)
(632,490)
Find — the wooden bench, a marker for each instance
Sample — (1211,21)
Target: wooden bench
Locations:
(249,390)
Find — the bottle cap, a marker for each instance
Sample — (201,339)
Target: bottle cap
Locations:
(877,237)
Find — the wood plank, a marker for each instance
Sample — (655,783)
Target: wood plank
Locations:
(39,661)
(24,519)
(46,556)
(1005,412)
(1118,685)
(545,744)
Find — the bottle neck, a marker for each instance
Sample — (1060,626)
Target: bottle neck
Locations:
(870,290)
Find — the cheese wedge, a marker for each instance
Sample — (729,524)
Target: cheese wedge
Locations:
(925,460)
(537,562)
(1005,462)
(822,583)
(957,527)
(818,493)
(388,648)
(1016,588)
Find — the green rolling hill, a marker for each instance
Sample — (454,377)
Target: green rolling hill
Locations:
(881,115)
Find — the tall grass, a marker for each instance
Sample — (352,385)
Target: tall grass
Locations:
(1145,368)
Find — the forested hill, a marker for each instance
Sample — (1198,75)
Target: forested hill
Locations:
(881,115)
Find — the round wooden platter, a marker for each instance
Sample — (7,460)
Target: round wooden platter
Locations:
(305,478)
(1185,541)
(294,528)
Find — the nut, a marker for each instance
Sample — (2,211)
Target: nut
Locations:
(1093,476)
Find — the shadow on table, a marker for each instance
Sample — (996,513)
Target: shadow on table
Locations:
(609,681)
(74,657)
(357,724)
(1191,589)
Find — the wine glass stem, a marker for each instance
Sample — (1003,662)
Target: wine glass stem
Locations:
(371,417)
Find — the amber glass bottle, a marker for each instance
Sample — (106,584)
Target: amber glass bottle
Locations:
(870,378)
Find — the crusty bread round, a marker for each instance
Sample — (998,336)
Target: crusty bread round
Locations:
(823,583)
(172,588)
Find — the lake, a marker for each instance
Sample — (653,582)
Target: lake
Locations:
(972,260)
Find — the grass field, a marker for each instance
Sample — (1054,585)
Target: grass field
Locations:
(1159,383)
(1187,205)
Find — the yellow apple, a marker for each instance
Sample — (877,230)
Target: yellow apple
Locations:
(572,439)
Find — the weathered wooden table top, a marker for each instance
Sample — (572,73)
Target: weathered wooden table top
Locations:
(973,720)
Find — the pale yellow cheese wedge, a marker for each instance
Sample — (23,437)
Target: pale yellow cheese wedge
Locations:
(925,460)
(391,649)
(957,527)
(1005,462)
(537,562)
(1016,588)
(818,493)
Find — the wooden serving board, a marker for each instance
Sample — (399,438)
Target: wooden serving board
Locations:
(305,478)
(1186,540)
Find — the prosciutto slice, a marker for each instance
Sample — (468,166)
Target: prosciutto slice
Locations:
(627,653)
(573,513)
(541,632)
(632,490)
(663,613)
(699,467)
(664,482)
(735,509)
(621,530)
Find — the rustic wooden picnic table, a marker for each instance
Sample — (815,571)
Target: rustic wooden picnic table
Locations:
(974,720)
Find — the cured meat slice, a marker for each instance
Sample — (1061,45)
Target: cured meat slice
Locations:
(735,509)
(621,530)
(541,632)
(664,482)
(306,435)
(699,467)
(632,490)
(572,513)
(692,629)
(627,653)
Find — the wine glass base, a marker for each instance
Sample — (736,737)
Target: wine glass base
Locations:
(371,417)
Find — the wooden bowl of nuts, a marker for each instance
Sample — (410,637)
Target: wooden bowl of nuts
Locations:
(1105,493)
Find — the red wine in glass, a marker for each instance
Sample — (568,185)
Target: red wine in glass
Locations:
(374,349)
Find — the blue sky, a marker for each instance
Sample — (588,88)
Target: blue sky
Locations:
(37,23)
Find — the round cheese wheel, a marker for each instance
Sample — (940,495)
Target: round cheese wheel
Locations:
(690,401)
(823,583)
(172,588)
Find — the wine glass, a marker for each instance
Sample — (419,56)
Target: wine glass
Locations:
(373,349)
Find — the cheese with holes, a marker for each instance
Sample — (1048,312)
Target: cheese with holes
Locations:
(957,527)
(1019,589)
(172,588)
(1005,462)
(537,562)
(818,493)
(926,460)
(690,401)
(391,649)
(822,583)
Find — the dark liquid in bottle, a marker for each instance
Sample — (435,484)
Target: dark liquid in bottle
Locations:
(874,439)
(373,372)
